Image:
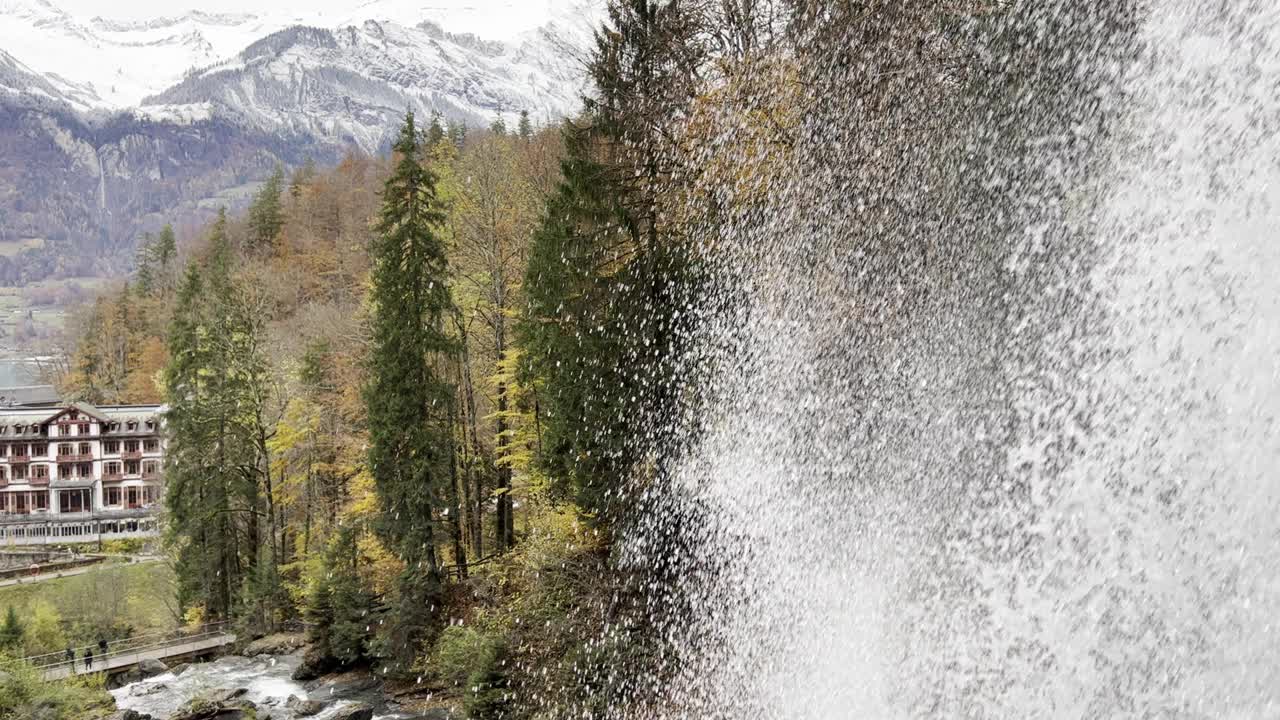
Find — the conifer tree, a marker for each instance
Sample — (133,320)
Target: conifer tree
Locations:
(526,127)
(164,257)
(266,216)
(144,273)
(11,631)
(408,402)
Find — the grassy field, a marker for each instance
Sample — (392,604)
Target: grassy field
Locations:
(115,601)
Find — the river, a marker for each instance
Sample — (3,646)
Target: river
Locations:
(268,680)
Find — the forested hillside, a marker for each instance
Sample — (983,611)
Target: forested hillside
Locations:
(419,401)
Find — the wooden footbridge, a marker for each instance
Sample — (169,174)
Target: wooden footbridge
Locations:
(123,655)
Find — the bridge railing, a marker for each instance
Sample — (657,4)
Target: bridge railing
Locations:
(133,647)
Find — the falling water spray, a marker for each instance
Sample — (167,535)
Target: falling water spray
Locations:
(986,417)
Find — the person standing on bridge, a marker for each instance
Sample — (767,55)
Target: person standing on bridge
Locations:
(71,658)
(102,647)
(88,658)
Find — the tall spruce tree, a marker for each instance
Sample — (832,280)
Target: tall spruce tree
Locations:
(213,382)
(266,216)
(408,400)
(606,279)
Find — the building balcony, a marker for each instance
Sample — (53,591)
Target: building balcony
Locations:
(38,481)
(74,457)
(112,477)
(19,459)
(131,454)
(151,475)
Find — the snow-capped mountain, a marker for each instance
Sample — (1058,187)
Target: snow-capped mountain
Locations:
(112,126)
(354,83)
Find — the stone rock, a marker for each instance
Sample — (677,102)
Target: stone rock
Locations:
(314,664)
(359,711)
(150,689)
(277,644)
(348,684)
(151,667)
(128,715)
(218,704)
(180,668)
(225,695)
(303,708)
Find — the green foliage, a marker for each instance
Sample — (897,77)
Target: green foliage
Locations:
(24,694)
(408,402)
(525,128)
(11,631)
(266,215)
(488,691)
(112,601)
(339,603)
(218,380)
(461,651)
(44,629)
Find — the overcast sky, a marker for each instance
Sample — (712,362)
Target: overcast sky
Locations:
(487,18)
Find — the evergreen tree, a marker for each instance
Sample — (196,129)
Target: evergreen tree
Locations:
(266,217)
(606,281)
(144,273)
(212,472)
(457,132)
(408,402)
(164,255)
(339,603)
(498,126)
(526,127)
(11,631)
(435,131)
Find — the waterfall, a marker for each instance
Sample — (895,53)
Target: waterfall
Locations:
(991,425)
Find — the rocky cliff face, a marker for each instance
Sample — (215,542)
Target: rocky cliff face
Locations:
(82,176)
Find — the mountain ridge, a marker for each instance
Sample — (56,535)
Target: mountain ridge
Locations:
(83,173)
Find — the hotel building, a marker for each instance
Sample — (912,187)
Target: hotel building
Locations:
(73,473)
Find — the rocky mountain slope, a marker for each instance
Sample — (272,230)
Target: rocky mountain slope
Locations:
(127,125)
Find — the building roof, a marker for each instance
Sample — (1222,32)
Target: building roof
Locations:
(28,395)
(43,413)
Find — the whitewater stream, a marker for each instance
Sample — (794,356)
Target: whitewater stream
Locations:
(268,680)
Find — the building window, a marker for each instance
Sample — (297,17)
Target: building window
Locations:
(150,468)
(132,425)
(131,467)
(84,470)
(65,449)
(113,426)
(84,449)
(111,496)
(151,445)
(40,449)
(40,471)
(71,501)
(131,446)
(131,496)
(3,472)
(41,501)
(19,472)
(150,495)
(18,429)
(4,450)
(64,471)
(111,468)
(83,429)
(110,447)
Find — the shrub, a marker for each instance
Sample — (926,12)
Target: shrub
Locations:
(460,652)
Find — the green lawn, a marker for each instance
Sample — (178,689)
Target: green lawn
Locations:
(114,601)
